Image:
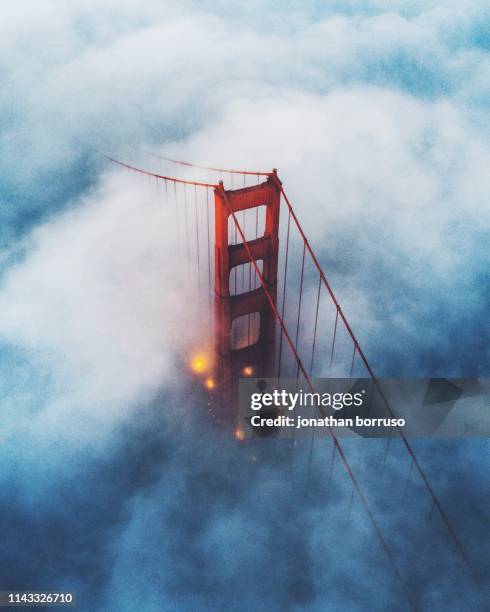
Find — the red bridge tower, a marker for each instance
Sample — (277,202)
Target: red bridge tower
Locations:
(244,322)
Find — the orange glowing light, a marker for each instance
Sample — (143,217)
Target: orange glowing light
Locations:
(239,434)
(199,364)
(209,383)
(248,371)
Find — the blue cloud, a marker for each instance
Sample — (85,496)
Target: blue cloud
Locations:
(106,490)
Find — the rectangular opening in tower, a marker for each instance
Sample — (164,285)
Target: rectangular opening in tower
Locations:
(252,224)
(245,331)
(244,278)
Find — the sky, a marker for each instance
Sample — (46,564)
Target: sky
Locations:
(113,483)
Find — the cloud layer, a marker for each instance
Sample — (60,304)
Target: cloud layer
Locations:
(113,481)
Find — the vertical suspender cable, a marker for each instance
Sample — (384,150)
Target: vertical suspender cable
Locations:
(256,234)
(186,227)
(351,500)
(242,282)
(387,446)
(353,358)
(408,478)
(333,339)
(315,326)
(284,295)
(330,473)
(299,303)
(177,215)
(209,253)
(197,241)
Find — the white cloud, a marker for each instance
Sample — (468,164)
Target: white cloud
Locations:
(380,172)
(376,122)
(101,306)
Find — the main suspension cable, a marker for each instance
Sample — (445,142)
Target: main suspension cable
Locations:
(154,174)
(186,164)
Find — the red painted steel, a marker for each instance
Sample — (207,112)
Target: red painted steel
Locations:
(257,356)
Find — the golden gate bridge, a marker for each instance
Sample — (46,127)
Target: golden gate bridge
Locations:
(267,305)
